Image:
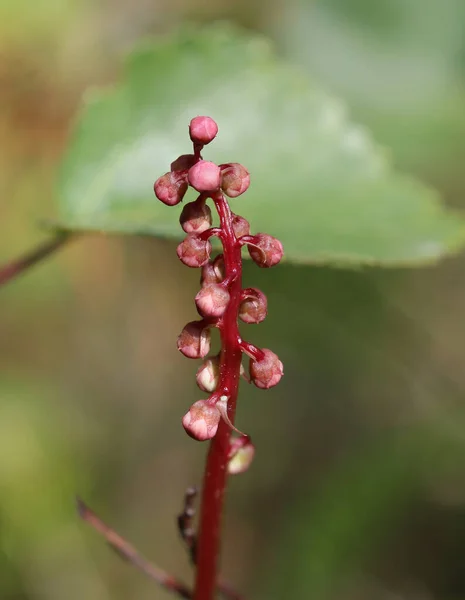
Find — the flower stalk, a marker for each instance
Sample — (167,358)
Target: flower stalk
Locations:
(220,302)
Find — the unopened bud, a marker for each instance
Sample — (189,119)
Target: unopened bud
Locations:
(235,179)
(267,372)
(183,162)
(194,340)
(193,251)
(240,226)
(212,300)
(201,421)
(208,375)
(170,188)
(202,130)
(213,271)
(253,308)
(241,455)
(266,251)
(196,217)
(205,176)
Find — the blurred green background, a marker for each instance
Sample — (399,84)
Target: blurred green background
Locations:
(358,488)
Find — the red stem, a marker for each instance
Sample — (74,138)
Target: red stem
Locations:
(215,477)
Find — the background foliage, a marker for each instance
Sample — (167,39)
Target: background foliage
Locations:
(357,489)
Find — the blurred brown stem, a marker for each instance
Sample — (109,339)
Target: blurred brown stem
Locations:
(126,551)
(129,553)
(11,270)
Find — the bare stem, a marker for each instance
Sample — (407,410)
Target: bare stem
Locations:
(11,270)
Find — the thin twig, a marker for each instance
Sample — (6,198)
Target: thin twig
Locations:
(11,270)
(129,553)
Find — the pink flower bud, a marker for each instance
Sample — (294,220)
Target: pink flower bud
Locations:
(267,372)
(241,454)
(212,300)
(205,176)
(266,251)
(194,340)
(208,375)
(235,179)
(240,226)
(170,188)
(202,130)
(193,251)
(196,217)
(201,421)
(183,162)
(253,308)
(213,271)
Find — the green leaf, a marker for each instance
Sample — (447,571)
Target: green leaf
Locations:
(334,532)
(44,21)
(318,182)
(398,63)
(38,468)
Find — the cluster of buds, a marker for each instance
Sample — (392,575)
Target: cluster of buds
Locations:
(221,300)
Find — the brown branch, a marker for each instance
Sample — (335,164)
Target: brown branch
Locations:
(11,270)
(129,553)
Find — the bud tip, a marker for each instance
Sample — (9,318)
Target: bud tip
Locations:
(202,130)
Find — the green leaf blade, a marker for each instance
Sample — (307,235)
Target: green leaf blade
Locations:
(318,182)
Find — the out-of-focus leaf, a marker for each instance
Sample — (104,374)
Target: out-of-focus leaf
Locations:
(334,531)
(398,63)
(37,477)
(318,182)
(41,469)
(22,21)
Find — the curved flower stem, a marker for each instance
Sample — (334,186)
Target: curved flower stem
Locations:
(251,350)
(215,477)
(11,270)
